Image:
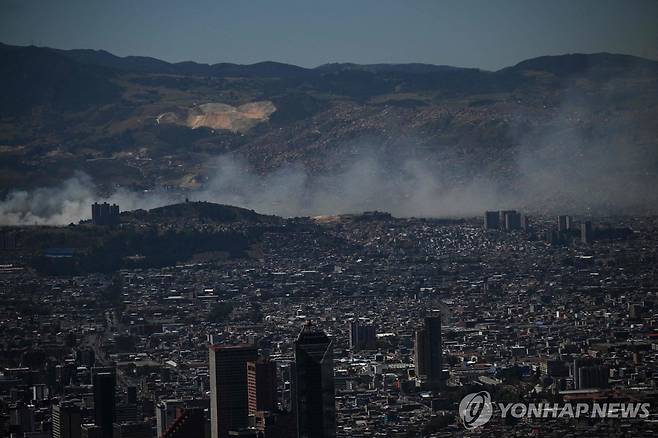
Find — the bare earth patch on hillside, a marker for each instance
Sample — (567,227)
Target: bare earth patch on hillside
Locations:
(222,116)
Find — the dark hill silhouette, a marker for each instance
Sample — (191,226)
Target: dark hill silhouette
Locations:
(206,211)
(581,64)
(31,76)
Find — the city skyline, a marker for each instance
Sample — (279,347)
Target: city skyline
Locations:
(293,219)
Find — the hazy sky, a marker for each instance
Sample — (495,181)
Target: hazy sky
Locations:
(488,34)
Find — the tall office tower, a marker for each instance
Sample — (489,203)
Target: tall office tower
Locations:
(287,396)
(229,410)
(554,368)
(165,414)
(511,220)
(85,356)
(90,431)
(552,237)
(66,420)
(579,363)
(362,336)
(96,213)
(261,385)
(491,220)
(275,424)
(40,392)
(635,311)
(502,217)
(21,418)
(104,401)
(563,223)
(189,423)
(7,241)
(133,429)
(429,361)
(104,214)
(593,376)
(314,384)
(569,223)
(586,233)
(525,222)
(126,412)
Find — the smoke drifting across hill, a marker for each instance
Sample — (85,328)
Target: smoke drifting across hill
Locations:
(591,157)
(366,184)
(66,203)
(552,175)
(585,160)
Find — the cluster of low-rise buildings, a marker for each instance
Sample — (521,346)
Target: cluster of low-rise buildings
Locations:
(412,313)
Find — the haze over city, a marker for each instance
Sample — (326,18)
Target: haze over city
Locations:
(293,219)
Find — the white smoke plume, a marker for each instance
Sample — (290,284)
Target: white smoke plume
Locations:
(367,184)
(412,189)
(68,202)
(552,178)
(584,159)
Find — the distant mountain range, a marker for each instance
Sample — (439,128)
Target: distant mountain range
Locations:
(76,78)
(559,65)
(135,121)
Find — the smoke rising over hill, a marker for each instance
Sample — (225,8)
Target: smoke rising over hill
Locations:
(557,173)
(366,184)
(567,165)
(572,134)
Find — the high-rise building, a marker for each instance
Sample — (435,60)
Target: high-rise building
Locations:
(525,222)
(85,356)
(90,431)
(578,364)
(287,373)
(21,417)
(563,223)
(40,392)
(262,387)
(188,423)
(104,401)
(551,236)
(314,384)
(491,220)
(66,419)
(554,368)
(126,412)
(635,311)
(362,336)
(511,219)
(133,429)
(104,214)
(275,424)
(428,359)
(7,241)
(165,414)
(593,376)
(586,234)
(229,410)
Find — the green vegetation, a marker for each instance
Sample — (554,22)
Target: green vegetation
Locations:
(220,312)
(112,293)
(160,237)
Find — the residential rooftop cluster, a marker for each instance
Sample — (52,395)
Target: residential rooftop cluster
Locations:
(347,326)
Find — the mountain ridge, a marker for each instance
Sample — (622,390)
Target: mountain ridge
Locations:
(124,121)
(147,64)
